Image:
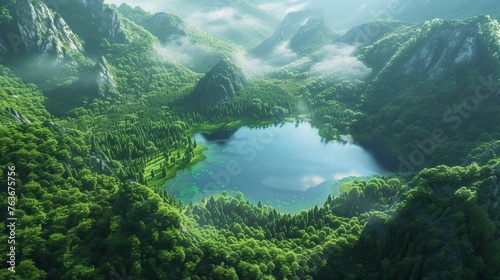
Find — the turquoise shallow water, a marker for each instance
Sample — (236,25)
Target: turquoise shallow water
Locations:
(287,166)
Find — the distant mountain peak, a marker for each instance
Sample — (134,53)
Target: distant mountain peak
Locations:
(311,36)
(288,27)
(223,81)
(111,26)
(371,32)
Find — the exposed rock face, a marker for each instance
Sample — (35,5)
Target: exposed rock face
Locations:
(311,36)
(223,81)
(101,166)
(369,33)
(165,26)
(3,50)
(447,46)
(287,28)
(486,156)
(96,7)
(17,116)
(46,35)
(488,192)
(58,127)
(110,25)
(101,81)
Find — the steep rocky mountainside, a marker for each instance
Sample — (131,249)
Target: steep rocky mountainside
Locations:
(41,34)
(109,25)
(224,81)
(94,21)
(101,81)
(438,48)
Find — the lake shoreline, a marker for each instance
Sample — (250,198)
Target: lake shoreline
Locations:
(284,165)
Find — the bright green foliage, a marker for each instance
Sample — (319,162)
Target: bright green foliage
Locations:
(87,168)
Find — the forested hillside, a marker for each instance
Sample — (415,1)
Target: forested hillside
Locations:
(100,105)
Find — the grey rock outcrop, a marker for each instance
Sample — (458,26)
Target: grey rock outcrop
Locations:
(46,35)
(447,45)
(101,81)
(111,26)
(17,116)
(109,23)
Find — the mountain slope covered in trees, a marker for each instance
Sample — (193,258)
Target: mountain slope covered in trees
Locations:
(93,130)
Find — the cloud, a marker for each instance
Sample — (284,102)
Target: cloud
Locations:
(223,21)
(280,9)
(220,17)
(362,7)
(338,60)
(282,54)
(252,67)
(180,50)
(311,181)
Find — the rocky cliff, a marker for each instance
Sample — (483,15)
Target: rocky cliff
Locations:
(111,26)
(93,14)
(101,81)
(439,48)
(223,81)
(447,45)
(45,35)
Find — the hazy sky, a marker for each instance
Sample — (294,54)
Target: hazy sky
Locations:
(341,14)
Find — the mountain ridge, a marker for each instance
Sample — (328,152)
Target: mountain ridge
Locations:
(94,143)
(225,80)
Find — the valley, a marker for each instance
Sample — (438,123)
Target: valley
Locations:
(250,139)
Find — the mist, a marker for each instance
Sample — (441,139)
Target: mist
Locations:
(223,20)
(180,50)
(339,60)
(341,14)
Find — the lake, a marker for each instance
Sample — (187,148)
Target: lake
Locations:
(287,165)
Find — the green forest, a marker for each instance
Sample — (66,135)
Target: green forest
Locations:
(98,109)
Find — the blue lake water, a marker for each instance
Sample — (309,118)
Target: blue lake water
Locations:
(286,165)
